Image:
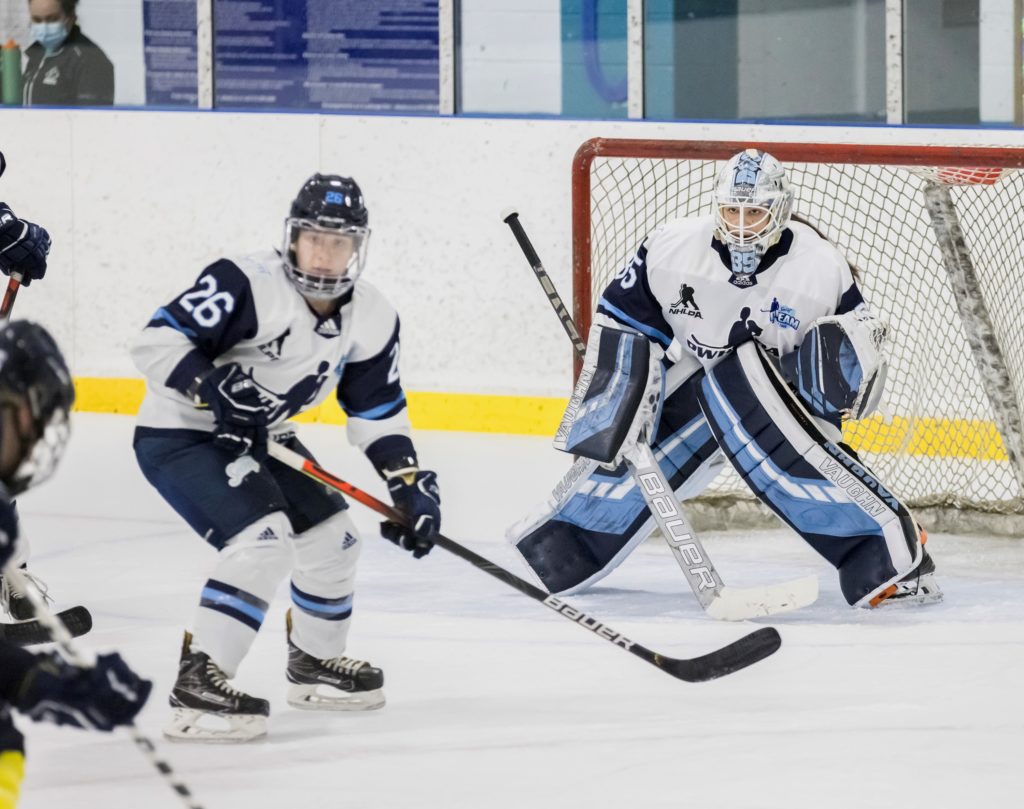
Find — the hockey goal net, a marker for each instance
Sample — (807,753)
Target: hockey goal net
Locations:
(937,235)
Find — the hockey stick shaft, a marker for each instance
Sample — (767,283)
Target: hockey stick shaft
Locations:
(60,635)
(512,220)
(740,654)
(13,285)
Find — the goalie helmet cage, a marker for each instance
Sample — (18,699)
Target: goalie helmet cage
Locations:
(937,236)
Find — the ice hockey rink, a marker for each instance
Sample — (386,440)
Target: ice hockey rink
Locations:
(494,701)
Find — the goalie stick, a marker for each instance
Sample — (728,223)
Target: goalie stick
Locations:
(59,634)
(718,600)
(737,655)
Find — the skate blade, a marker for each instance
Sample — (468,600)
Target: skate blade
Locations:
(308,698)
(190,725)
(928,592)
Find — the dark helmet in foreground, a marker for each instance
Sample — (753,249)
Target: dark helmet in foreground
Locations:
(325,236)
(36,394)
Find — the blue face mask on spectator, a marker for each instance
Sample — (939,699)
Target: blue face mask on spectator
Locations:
(50,35)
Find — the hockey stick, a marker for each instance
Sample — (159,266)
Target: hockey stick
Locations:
(718,600)
(13,284)
(60,635)
(737,655)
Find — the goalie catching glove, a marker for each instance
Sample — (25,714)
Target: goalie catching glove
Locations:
(414,492)
(618,396)
(839,369)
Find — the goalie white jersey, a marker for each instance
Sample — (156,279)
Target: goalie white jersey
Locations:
(680,288)
(246,311)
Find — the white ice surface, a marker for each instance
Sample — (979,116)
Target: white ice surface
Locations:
(494,701)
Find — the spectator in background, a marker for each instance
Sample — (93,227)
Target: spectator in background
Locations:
(64,66)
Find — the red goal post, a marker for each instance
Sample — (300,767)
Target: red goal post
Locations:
(937,234)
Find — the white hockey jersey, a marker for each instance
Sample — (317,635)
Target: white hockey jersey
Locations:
(246,311)
(680,288)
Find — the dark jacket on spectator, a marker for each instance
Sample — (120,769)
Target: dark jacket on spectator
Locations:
(78,74)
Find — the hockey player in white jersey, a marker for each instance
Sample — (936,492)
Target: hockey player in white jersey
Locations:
(769,346)
(255,341)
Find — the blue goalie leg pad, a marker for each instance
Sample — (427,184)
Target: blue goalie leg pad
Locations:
(823,493)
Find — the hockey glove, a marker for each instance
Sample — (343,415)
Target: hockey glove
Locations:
(238,409)
(415,494)
(24,246)
(97,698)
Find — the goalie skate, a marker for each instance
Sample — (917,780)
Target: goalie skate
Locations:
(916,588)
(336,684)
(207,709)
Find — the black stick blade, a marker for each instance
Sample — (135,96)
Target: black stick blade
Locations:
(78,621)
(738,655)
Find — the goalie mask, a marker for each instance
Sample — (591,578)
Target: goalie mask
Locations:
(36,395)
(325,237)
(753,201)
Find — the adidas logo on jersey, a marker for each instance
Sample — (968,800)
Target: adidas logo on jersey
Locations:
(348,541)
(330,327)
(266,534)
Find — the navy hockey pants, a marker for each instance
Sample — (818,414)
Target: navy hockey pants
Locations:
(219,496)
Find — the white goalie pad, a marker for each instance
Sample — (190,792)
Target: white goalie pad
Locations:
(617,399)
(840,367)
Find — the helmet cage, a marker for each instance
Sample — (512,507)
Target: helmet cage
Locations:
(324,286)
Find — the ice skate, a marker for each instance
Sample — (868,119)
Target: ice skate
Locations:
(917,587)
(16,603)
(207,709)
(337,684)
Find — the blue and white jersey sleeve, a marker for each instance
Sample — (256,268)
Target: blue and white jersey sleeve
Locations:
(628,300)
(184,337)
(370,390)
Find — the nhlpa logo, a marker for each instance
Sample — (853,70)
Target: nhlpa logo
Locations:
(238,470)
(782,316)
(274,347)
(685,305)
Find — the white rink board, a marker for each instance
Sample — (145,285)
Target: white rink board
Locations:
(138,202)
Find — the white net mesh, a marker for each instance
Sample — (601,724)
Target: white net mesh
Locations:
(941,446)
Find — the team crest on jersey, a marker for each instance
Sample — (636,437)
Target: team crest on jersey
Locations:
(685,305)
(782,316)
(51,76)
(274,347)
